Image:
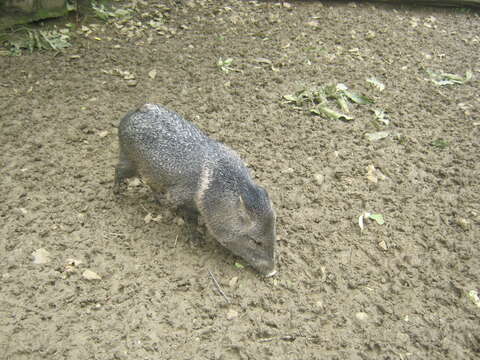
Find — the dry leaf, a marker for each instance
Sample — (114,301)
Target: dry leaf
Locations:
(371,176)
(148,218)
(233,281)
(41,256)
(383,245)
(91,275)
(152,74)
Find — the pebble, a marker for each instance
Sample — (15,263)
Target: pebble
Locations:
(232,314)
(319,178)
(91,275)
(361,316)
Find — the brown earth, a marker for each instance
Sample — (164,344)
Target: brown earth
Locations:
(395,291)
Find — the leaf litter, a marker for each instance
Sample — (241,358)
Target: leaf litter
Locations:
(441,78)
(325,100)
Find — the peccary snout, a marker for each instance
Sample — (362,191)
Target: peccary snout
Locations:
(200,175)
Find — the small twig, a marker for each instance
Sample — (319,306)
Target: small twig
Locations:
(218,287)
(175,242)
(115,234)
(267,339)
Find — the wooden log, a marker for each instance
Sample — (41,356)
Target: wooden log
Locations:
(13,12)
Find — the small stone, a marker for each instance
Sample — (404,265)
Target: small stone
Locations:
(132,82)
(463,223)
(41,256)
(319,179)
(91,275)
(370,35)
(73,262)
(233,281)
(313,23)
(232,314)
(134,182)
(377,135)
(361,316)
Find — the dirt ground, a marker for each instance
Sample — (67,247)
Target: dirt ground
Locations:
(394,291)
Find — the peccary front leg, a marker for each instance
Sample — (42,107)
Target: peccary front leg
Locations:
(179,197)
(124,170)
(190,227)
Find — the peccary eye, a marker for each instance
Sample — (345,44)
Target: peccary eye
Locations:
(254,241)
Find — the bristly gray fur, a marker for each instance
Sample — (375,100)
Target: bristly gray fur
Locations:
(174,157)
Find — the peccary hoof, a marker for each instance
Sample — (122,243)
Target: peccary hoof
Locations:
(270,274)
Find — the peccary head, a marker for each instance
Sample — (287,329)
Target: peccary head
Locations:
(238,213)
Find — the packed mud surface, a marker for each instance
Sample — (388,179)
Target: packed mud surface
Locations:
(86,274)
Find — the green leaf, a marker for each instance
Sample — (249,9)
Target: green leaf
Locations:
(239,266)
(381,116)
(342,103)
(377,217)
(331,91)
(291,98)
(473,296)
(358,98)
(330,113)
(439,143)
(376,83)
(440,78)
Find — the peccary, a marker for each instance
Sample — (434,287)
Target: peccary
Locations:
(202,176)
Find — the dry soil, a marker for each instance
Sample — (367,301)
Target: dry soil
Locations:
(394,291)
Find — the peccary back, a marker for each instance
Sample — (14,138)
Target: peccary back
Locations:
(176,159)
